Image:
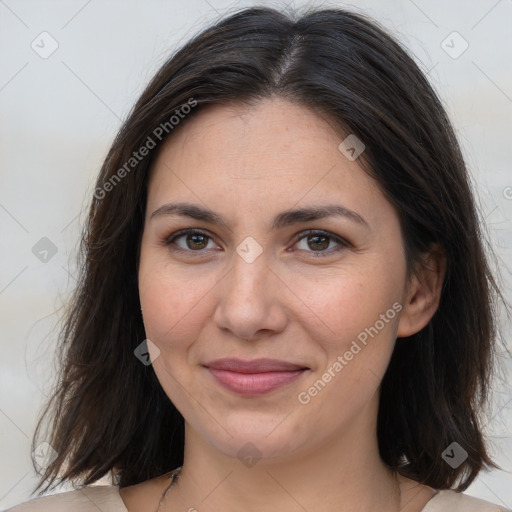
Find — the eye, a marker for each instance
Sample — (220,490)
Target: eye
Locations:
(195,241)
(319,241)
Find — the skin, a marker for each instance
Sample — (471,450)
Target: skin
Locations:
(248,164)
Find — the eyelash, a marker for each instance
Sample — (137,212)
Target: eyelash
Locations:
(343,244)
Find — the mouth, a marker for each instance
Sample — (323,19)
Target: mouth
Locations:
(254,377)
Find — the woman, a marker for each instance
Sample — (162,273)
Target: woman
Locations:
(285,303)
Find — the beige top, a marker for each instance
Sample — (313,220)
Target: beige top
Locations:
(106,498)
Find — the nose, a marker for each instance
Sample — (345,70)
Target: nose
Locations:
(250,304)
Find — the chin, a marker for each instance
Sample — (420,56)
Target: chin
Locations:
(250,438)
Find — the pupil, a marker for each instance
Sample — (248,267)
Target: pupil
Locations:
(194,237)
(317,237)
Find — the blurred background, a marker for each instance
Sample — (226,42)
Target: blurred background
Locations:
(71,71)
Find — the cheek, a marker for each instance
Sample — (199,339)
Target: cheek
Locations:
(174,306)
(173,302)
(357,312)
(341,304)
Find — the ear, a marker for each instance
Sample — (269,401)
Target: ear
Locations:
(422,293)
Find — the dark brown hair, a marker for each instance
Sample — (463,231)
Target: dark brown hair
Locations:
(108,411)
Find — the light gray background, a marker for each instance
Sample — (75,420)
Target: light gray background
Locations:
(59,115)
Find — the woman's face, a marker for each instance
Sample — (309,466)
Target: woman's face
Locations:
(260,283)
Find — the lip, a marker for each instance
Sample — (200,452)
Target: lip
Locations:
(254,365)
(254,377)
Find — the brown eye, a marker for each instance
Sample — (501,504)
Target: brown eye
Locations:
(190,241)
(317,243)
(196,241)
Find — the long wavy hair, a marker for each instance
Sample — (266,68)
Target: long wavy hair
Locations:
(108,414)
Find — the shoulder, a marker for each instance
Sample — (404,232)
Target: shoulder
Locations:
(87,499)
(451,501)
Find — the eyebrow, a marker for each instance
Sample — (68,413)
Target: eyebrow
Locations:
(286,218)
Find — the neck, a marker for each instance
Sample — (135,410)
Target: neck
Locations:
(344,471)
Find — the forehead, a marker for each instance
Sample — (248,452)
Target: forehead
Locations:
(274,151)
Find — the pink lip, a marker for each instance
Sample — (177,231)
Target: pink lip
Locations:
(254,377)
